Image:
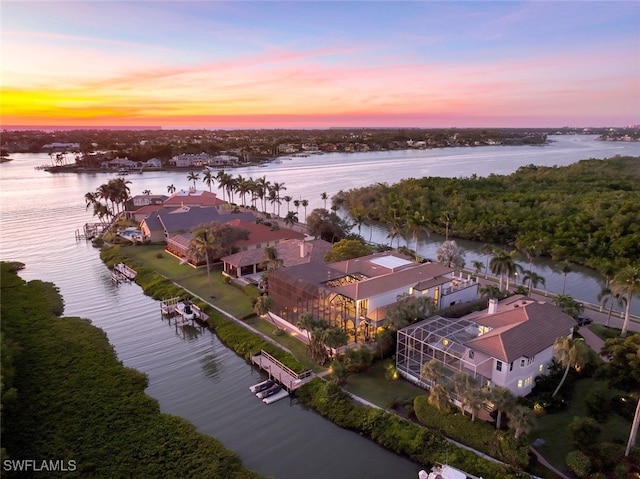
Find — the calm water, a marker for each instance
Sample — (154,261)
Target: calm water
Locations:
(193,375)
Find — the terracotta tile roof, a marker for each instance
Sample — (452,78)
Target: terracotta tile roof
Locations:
(522,327)
(193,198)
(262,234)
(289,251)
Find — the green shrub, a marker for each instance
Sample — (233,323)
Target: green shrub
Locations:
(579,463)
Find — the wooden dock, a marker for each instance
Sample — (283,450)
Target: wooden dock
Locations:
(277,371)
(122,273)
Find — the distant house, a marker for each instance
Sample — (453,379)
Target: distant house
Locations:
(355,294)
(508,344)
(144,200)
(141,206)
(289,251)
(153,163)
(120,163)
(190,159)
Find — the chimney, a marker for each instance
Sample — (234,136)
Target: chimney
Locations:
(493,306)
(303,249)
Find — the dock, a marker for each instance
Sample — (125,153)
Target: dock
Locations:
(90,231)
(287,377)
(176,308)
(122,273)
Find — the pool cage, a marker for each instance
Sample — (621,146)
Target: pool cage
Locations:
(441,339)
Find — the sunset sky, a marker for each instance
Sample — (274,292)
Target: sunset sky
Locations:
(322,64)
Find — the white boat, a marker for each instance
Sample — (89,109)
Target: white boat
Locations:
(276,397)
(256,388)
(186,310)
(276,388)
(443,471)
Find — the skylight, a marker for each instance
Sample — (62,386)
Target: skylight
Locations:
(390,262)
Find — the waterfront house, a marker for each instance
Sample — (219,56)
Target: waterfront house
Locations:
(164,223)
(356,293)
(289,252)
(508,344)
(193,197)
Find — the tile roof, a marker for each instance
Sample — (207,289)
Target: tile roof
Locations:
(259,233)
(288,252)
(522,327)
(185,219)
(193,198)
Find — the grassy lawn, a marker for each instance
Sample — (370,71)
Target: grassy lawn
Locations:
(221,294)
(297,348)
(374,387)
(553,428)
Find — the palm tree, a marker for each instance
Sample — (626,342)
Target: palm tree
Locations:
(626,283)
(521,420)
(433,370)
(533,278)
(607,297)
(324,197)
(569,305)
(416,225)
(503,264)
(291,218)
(487,250)
(358,215)
(271,255)
(462,384)
(477,266)
(503,400)
(277,188)
(287,200)
(171,189)
(304,204)
(263,305)
(395,231)
(193,176)
(146,192)
(200,246)
(307,322)
(208,178)
(566,269)
(296,203)
(439,397)
(490,291)
(571,353)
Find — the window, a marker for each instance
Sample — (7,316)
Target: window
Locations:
(470,354)
(522,363)
(498,365)
(511,366)
(520,383)
(541,368)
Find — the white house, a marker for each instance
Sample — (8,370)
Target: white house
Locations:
(508,344)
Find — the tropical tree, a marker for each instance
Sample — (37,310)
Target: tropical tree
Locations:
(487,250)
(291,219)
(533,278)
(477,266)
(503,264)
(396,230)
(521,420)
(208,178)
(304,204)
(566,269)
(324,197)
(503,400)
(263,305)
(569,305)
(408,309)
(433,370)
(335,337)
(463,384)
(171,189)
(271,257)
(627,283)
(359,216)
(193,176)
(450,255)
(347,249)
(146,192)
(439,397)
(490,291)
(287,199)
(277,188)
(327,225)
(572,353)
(417,225)
(607,297)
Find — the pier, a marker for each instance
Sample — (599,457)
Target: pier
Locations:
(122,273)
(183,311)
(90,231)
(287,377)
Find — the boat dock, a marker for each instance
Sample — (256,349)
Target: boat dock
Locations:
(287,377)
(184,311)
(122,273)
(90,231)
